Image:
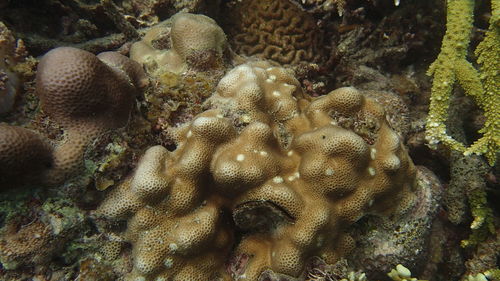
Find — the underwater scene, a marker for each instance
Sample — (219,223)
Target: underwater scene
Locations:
(249,140)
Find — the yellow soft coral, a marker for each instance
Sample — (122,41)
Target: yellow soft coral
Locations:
(452,66)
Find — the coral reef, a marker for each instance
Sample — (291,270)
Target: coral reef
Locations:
(35,242)
(485,258)
(22,150)
(69,83)
(11,53)
(452,66)
(185,40)
(290,173)
(83,94)
(401,273)
(260,175)
(185,66)
(278,30)
(398,239)
(323,6)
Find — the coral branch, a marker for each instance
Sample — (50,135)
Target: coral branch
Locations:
(452,66)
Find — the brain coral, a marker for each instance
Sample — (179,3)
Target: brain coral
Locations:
(85,95)
(185,40)
(264,179)
(274,30)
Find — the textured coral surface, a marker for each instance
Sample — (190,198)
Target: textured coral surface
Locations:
(289,173)
(21,150)
(84,94)
(275,30)
(185,40)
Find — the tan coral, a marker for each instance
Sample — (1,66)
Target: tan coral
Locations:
(275,30)
(271,163)
(181,42)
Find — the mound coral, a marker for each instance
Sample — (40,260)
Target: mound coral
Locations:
(84,94)
(265,179)
(22,150)
(275,30)
(181,42)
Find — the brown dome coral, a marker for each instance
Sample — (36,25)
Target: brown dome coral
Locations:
(77,87)
(22,150)
(85,95)
(290,176)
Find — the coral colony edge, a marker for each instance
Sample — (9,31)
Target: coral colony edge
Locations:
(284,140)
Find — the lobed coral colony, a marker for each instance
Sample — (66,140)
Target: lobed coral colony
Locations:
(290,172)
(257,180)
(82,93)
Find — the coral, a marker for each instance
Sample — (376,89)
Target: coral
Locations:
(92,270)
(28,244)
(114,13)
(469,175)
(268,163)
(184,41)
(323,6)
(467,181)
(488,54)
(44,236)
(84,94)
(452,66)
(9,57)
(401,273)
(275,30)
(396,110)
(485,257)
(181,85)
(477,277)
(70,82)
(385,242)
(22,150)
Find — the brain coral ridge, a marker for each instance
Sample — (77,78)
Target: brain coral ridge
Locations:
(275,30)
(84,94)
(266,177)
